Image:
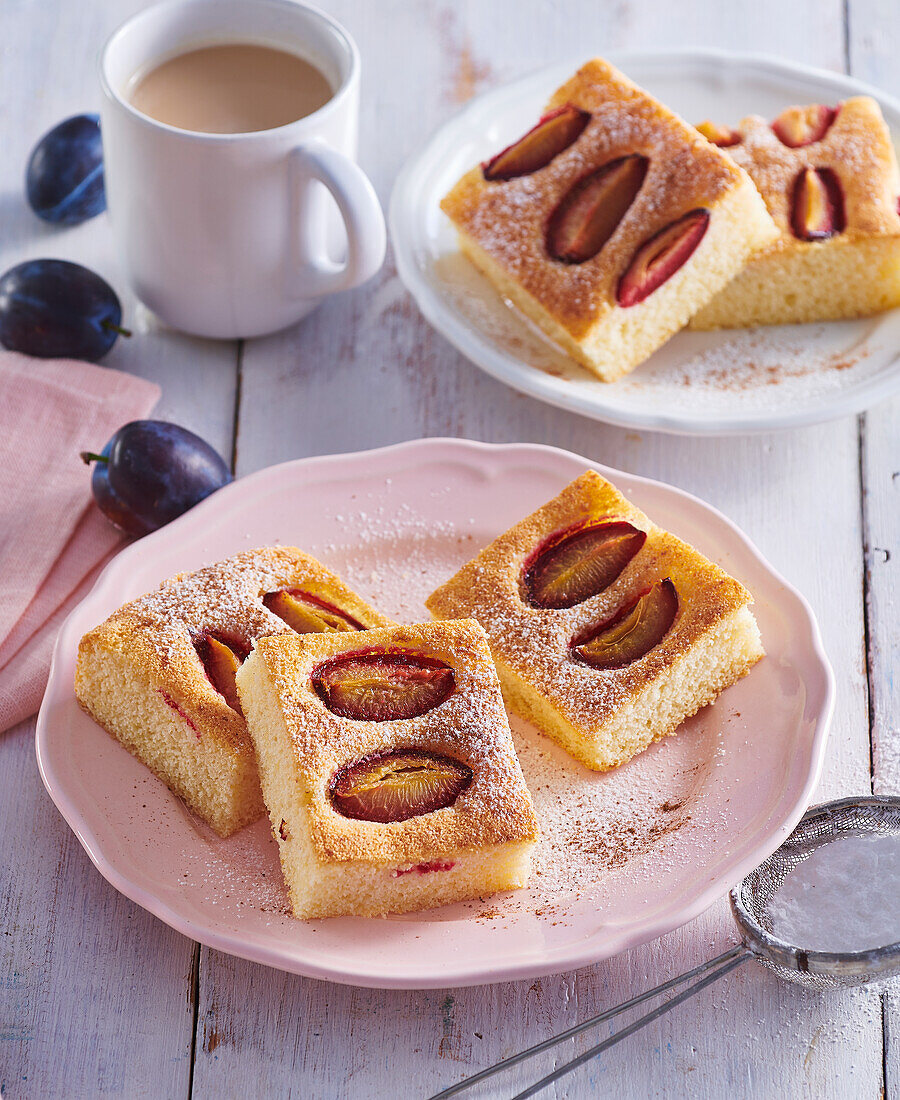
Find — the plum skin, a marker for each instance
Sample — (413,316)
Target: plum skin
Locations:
(64,178)
(55,309)
(154,472)
(107,501)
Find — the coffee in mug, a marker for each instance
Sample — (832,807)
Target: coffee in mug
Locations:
(230,89)
(229,145)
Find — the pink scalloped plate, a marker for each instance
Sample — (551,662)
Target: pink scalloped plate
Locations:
(625,856)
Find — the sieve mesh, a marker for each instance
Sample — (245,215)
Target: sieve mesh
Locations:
(866,816)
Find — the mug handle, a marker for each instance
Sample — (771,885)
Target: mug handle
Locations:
(314,275)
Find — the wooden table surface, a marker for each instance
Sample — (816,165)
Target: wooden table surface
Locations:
(99,998)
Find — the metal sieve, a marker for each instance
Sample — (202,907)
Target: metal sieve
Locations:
(846,817)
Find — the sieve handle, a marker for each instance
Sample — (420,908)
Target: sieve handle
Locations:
(713,968)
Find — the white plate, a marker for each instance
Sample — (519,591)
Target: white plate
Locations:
(626,855)
(743,380)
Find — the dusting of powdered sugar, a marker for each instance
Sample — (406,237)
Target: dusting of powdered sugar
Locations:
(394,555)
(223,597)
(244,880)
(842,897)
(856,146)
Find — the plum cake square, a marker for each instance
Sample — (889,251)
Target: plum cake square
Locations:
(159,673)
(388,768)
(830,180)
(607,631)
(610,223)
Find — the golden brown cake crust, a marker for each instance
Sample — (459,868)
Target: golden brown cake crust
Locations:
(856,147)
(508,218)
(535,642)
(470,726)
(157,630)
(855,272)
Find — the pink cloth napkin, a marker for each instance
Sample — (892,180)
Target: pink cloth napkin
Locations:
(53,540)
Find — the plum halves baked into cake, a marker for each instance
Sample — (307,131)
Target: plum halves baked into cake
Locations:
(159,674)
(830,180)
(610,223)
(388,768)
(607,632)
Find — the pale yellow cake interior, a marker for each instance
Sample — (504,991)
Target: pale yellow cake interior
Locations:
(219,784)
(838,279)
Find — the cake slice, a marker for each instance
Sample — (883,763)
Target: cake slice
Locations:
(388,768)
(830,180)
(607,631)
(159,673)
(610,223)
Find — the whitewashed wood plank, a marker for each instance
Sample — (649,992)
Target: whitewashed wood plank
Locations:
(874,41)
(95,994)
(880,470)
(880,473)
(367,370)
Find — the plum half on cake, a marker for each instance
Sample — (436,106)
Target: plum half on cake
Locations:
(388,768)
(159,674)
(830,180)
(607,632)
(610,223)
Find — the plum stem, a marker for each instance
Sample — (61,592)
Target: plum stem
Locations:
(110,327)
(87,457)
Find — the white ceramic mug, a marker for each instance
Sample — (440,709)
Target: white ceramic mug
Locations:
(232,235)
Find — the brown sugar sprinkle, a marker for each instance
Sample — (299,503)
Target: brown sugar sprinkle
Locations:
(593,823)
(488,914)
(241,876)
(754,361)
(620,842)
